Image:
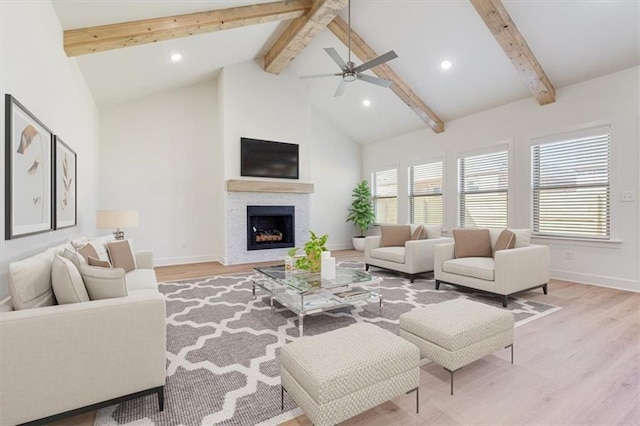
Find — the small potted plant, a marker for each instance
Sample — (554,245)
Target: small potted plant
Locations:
(313,250)
(361,212)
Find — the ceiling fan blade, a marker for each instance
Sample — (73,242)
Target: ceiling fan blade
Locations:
(341,87)
(336,58)
(376,61)
(375,80)
(305,77)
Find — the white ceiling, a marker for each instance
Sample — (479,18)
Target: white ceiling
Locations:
(573,40)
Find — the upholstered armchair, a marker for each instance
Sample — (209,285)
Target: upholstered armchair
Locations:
(502,271)
(404,248)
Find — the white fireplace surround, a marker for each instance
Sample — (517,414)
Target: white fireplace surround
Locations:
(236,224)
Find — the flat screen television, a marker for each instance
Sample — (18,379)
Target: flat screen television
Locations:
(260,158)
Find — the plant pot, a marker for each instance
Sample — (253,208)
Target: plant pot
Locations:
(358,243)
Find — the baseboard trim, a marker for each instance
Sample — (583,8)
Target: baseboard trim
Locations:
(184,260)
(597,280)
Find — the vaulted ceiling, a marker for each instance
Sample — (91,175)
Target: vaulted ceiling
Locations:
(495,60)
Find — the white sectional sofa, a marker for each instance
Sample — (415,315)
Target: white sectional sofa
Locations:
(61,360)
(413,257)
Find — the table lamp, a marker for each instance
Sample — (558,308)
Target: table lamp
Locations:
(117,219)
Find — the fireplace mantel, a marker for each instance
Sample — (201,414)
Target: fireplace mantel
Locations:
(245,185)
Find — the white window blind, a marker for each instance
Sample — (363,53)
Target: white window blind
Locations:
(483,190)
(385,195)
(425,193)
(571,193)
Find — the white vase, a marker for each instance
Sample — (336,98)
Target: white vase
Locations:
(358,243)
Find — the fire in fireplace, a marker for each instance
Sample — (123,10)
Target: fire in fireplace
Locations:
(270,227)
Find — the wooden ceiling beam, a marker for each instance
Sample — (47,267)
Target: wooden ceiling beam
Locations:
(115,36)
(363,51)
(499,22)
(299,34)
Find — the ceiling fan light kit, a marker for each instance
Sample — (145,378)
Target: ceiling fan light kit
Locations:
(349,71)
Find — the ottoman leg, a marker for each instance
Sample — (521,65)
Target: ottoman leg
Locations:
(282,397)
(510,346)
(417,391)
(451,374)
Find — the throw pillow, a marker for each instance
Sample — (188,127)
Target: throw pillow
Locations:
(87,251)
(472,243)
(506,240)
(121,255)
(418,232)
(100,244)
(433,231)
(523,237)
(103,283)
(395,235)
(74,257)
(92,261)
(67,283)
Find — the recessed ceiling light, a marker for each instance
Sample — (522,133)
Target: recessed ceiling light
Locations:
(366,102)
(176,57)
(446,64)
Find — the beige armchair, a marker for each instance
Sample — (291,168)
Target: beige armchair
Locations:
(412,257)
(524,267)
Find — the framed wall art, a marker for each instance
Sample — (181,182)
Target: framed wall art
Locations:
(28,179)
(65,185)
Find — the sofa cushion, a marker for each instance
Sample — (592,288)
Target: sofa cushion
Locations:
(506,241)
(476,267)
(75,258)
(142,279)
(433,231)
(417,233)
(395,235)
(103,283)
(66,281)
(30,281)
(391,254)
(121,255)
(92,261)
(472,243)
(87,251)
(523,237)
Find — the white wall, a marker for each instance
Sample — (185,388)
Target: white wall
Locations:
(611,100)
(161,155)
(336,169)
(36,71)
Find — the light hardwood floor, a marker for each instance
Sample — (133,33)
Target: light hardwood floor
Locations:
(578,366)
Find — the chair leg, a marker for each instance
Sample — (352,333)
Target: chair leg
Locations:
(545,288)
(161,398)
(451,375)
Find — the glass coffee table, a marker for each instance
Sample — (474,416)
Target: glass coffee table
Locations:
(307,293)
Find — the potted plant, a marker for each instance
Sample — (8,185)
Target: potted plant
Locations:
(313,250)
(361,212)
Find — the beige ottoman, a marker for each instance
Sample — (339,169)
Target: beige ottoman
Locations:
(457,332)
(336,375)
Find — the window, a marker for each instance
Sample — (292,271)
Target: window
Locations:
(425,193)
(483,187)
(571,194)
(385,195)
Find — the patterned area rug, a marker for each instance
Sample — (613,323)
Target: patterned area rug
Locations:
(223,346)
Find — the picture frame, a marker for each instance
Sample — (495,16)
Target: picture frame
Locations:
(28,172)
(65,185)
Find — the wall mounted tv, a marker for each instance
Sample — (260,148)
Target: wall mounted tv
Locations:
(259,158)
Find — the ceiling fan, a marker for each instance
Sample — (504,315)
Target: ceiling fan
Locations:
(350,72)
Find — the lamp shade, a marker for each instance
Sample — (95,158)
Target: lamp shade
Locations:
(117,219)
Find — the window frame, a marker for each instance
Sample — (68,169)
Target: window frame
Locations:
(489,150)
(374,197)
(567,137)
(410,196)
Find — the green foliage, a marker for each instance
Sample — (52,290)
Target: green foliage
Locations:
(361,211)
(313,249)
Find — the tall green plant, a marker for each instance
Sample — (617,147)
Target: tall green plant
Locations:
(361,211)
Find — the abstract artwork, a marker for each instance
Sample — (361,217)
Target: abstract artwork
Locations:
(65,185)
(28,176)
